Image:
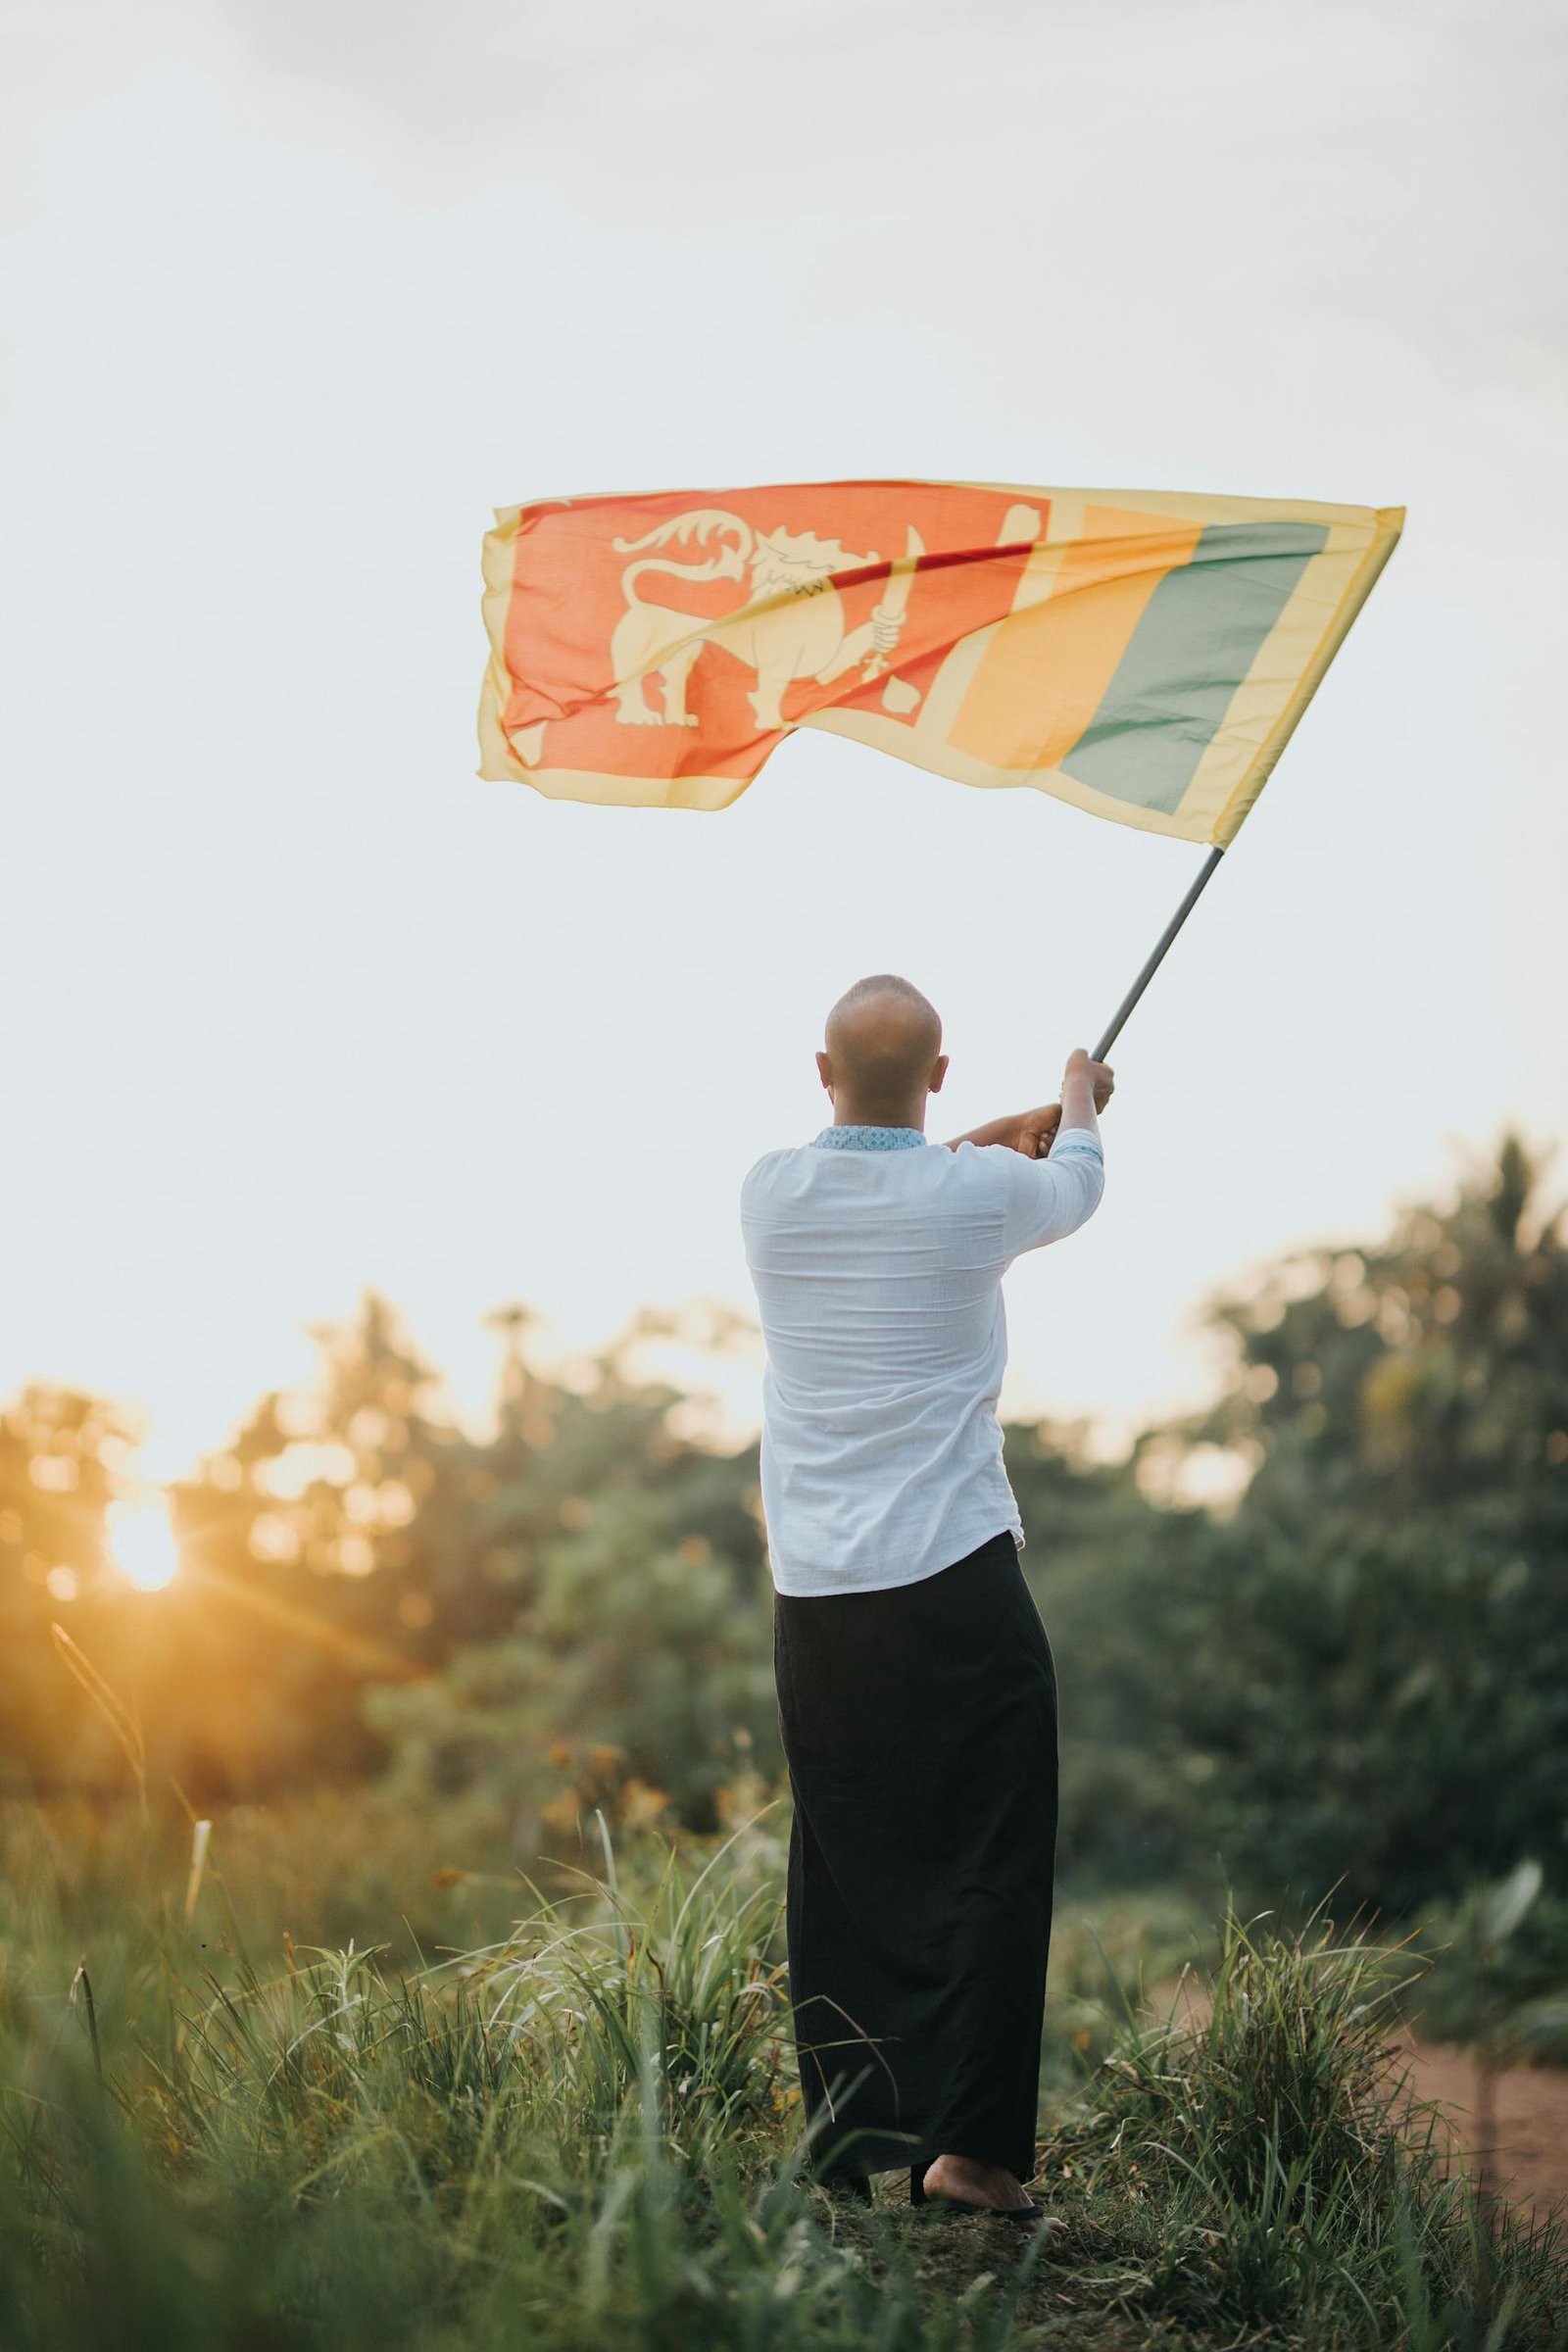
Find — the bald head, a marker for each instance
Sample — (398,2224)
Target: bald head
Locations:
(883,1052)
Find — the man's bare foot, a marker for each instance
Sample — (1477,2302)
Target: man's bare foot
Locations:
(975,2184)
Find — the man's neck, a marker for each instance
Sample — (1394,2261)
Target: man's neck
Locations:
(854,1114)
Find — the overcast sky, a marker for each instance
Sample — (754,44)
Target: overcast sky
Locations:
(296,294)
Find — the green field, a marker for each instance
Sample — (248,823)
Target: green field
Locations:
(343,2086)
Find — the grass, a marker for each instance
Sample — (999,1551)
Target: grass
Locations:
(583,2132)
(1294,2170)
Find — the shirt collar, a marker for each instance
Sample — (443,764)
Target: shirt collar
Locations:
(869,1139)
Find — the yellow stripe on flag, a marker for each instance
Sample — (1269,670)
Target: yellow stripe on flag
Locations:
(1045,672)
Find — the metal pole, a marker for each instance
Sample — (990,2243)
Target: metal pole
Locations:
(1153,966)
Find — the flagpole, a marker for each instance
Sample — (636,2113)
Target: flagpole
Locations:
(1118,1018)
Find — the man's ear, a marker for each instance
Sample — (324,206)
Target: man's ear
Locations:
(939,1070)
(824,1070)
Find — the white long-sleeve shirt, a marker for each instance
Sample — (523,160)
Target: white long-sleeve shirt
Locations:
(878,1273)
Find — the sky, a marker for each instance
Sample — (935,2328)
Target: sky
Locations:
(295,295)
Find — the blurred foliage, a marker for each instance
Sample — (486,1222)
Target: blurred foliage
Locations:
(1104,1563)
(580,1599)
(1316,1635)
(1499,1972)
(1370,1662)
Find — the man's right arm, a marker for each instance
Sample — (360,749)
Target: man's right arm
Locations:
(1085,1088)
(1048,1202)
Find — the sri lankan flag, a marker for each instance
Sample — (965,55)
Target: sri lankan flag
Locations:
(1142,655)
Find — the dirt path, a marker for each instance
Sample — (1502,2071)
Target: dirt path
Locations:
(1530,2161)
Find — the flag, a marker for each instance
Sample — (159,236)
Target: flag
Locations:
(1142,655)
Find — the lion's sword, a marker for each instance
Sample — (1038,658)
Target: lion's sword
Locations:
(894,599)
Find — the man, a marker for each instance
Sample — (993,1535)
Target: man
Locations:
(917,1690)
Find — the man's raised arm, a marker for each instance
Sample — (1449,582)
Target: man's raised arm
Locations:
(1085,1088)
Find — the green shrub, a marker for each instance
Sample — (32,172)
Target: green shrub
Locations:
(1302,2188)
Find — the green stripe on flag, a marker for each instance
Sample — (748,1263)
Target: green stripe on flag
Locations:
(1199,636)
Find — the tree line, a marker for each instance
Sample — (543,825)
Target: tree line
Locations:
(1314,1635)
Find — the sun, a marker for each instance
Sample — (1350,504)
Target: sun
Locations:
(141,1543)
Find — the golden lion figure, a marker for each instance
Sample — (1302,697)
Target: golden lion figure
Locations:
(791,626)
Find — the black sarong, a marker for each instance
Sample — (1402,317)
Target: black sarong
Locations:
(919,1727)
